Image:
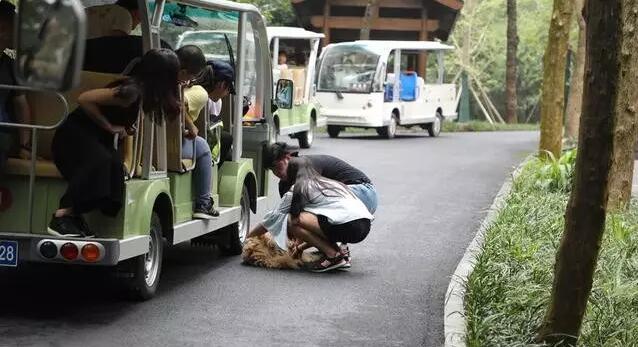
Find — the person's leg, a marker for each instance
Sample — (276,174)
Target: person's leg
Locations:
(307,229)
(367,194)
(202,177)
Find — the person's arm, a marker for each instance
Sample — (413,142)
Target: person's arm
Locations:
(23,116)
(192,130)
(92,99)
(257,231)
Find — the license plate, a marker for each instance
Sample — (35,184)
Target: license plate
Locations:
(8,253)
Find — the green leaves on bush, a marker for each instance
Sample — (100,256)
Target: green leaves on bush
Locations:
(555,174)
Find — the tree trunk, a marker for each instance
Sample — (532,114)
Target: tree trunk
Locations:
(372,9)
(554,62)
(575,100)
(611,47)
(625,130)
(512,64)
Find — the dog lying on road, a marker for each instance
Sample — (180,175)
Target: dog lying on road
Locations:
(262,251)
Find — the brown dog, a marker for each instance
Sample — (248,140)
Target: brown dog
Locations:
(262,251)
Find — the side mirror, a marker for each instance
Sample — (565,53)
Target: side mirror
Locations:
(283,94)
(50,43)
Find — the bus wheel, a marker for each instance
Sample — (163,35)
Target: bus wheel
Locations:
(307,137)
(434,128)
(333,131)
(390,130)
(238,231)
(144,270)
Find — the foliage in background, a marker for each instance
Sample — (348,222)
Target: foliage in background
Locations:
(509,290)
(489,24)
(556,173)
(475,125)
(276,12)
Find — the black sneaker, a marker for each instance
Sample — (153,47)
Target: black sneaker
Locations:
(84,227)
(65,226)
(206,212)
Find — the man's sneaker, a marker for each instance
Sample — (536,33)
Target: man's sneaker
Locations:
(66,226)
(326,264)
(206,212)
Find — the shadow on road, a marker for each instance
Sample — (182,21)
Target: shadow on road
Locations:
(92,295)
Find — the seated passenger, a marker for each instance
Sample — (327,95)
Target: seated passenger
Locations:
(13,103)
(85,147)
(300,59)
(192,62)
(282,61)
(117,19)
(219,81)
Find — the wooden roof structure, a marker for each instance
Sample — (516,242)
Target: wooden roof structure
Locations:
(342,20)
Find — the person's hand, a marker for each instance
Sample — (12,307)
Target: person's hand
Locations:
(191,132)
(25,153)
(131,130)
(119,130)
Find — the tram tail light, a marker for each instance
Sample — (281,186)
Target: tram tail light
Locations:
(69,251)
(90,252)
(48,250)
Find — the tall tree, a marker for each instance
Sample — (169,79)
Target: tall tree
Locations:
(554,62)
(575,98)
(612,46)
(512,64)
(626,130)
(372,9)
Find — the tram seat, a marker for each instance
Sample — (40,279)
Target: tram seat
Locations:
(408,86)
(47,109)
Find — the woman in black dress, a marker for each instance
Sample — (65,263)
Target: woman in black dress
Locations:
(83,146)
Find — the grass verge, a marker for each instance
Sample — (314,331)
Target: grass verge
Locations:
(486,126)
(473,126)
(509,290)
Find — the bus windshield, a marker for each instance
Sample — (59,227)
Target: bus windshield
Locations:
(348,69)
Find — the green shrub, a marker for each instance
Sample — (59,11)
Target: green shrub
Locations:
(555,174)
(510,288)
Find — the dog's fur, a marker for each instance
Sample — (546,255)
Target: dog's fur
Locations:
(262,251)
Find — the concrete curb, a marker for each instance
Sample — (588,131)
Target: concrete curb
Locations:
(454,312)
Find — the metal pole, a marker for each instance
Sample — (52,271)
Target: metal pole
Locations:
(275,52)
(34,150)
(441,63)
(397,76)
(310,69)
(239,81)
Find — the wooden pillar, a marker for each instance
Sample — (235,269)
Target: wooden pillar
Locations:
(326,23)
(423,36)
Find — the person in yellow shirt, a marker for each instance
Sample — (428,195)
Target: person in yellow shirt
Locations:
(195,147)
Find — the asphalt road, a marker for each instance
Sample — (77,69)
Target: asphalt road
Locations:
(433,192)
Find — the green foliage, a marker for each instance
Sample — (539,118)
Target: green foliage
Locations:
(555,174)
(474,126)
(276,12)
(510,288)
(488,45)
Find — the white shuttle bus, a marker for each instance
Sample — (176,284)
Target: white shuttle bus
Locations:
(373,84)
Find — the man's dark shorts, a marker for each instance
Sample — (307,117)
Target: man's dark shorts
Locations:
(352,232)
